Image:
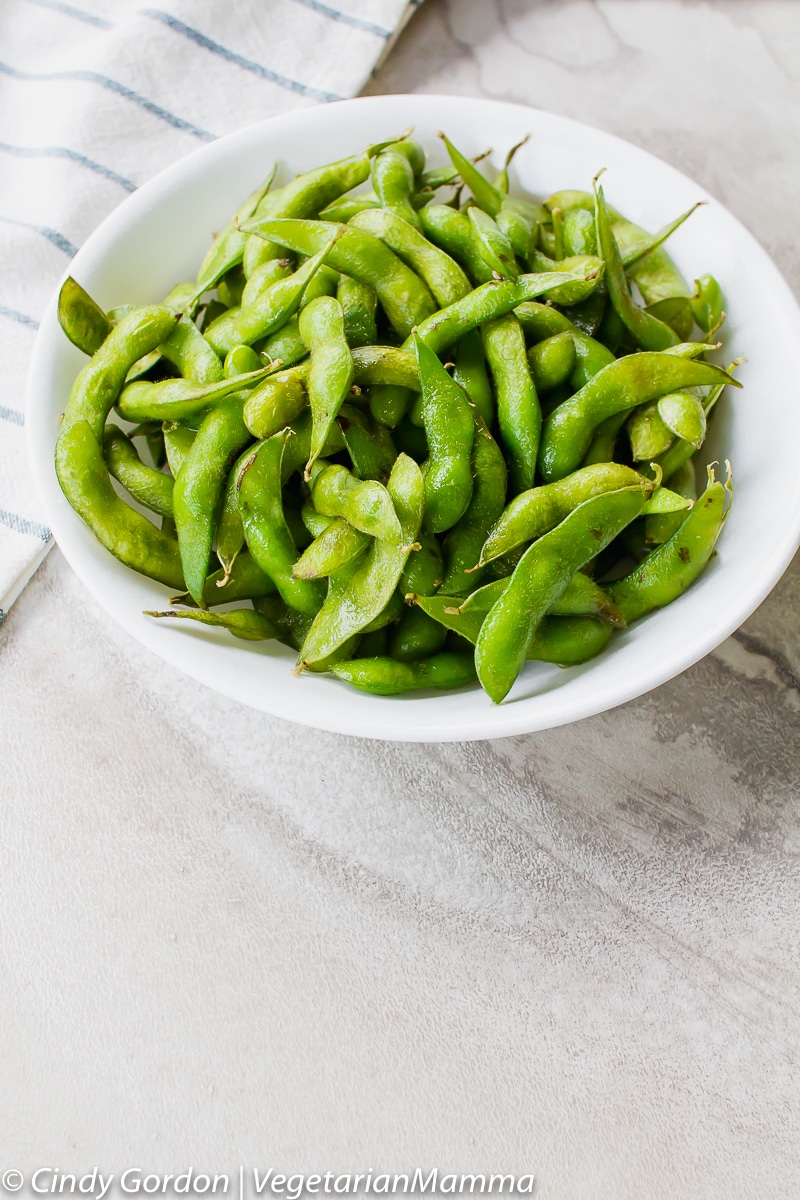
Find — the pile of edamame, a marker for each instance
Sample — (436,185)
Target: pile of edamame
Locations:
(421,432)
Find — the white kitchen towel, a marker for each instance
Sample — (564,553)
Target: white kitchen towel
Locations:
(95,98)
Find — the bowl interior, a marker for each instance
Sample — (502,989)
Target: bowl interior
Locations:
(158,236)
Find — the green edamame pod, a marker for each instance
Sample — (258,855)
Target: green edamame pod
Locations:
(648,434)
(453,232)
(243,623)
(390,614)
(178,399)
(708,304)
(230,530)
(650,267)
(263,277)
(100,382)
(411,150)
(129,536)
(416,636)
(389,403)
(83,321)
(231,287)
(284,347)
(336,546)
(541,576)
(316,523)
(464,542)
(292,625)
(684,415)
(646,329)
(246,581)
(540,321)
(404,297)
(424,569)
(578,232)
(150,487)
(369,444)
(358,302)
(324,283)
(442,274)
(188,350)
(387,677)
(298,445)
(178,441)
(590,357)
(582,597)
(346,207)
(659,527)
(493,246)
(331,373)
(517,218)
(305,196)
(385,366)
(361,592)
(265,529)
(519,416)
(241,360)
(270,308)
(551,361)
(498,297)
(540,509)
(198,491)
(669,570)
(676,312)
(449,429)
(393,181)
(471,374)
(366,504)
(680,452)
(603,445)
(622,385)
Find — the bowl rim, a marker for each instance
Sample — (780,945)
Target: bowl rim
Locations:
(495,721)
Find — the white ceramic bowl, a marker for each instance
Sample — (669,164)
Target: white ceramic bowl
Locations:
(158,236)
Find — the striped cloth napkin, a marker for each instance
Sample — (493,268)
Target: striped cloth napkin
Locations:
(95,98)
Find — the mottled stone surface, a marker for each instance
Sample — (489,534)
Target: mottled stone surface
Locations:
(228,939)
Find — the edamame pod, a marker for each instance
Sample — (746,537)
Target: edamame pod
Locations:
(330,375)
(519,415)
(265,529)
(387,677)
(405,298)
(198,491)
(150,487)
(539,509)
(635,379)
(129,536)
(541,576)
(442,274)
(361,592)
(83,321)
(449,429)
(366,504)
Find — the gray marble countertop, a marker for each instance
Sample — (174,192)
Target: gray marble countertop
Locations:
(228,939)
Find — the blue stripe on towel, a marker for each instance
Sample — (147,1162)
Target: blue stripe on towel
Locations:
(53,236)
(248,64)
(78,13)
(11,314)
(22,525)
(336,14)
(12,414)
(113,85)
(71,156)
